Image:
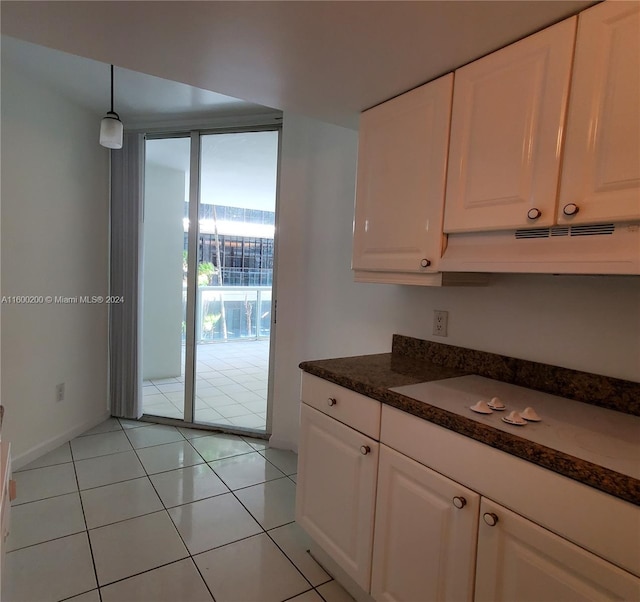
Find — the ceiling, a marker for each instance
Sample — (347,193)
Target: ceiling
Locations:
(328,59)
(139,98)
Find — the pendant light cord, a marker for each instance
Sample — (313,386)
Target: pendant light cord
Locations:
(112,88)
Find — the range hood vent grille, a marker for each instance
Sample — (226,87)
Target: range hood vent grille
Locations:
(592,230)
(586,230)
(532,233)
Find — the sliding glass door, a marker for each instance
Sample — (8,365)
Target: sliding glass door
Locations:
(207,322)
(166,201)
(235,270)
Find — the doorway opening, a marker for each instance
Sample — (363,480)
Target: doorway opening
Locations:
(209,228)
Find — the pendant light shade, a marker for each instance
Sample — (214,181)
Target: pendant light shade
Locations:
(111,131)
(111,127)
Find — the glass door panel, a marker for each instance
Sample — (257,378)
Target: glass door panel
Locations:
(166,203)
(235,273)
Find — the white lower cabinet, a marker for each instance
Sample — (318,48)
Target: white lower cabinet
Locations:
(403,531)
(519,560)
(337,468)
(425,533)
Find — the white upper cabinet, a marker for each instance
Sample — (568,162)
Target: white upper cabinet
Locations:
(601,167)
(402,161)
(506,134)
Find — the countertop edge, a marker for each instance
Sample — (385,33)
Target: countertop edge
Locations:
(609,481)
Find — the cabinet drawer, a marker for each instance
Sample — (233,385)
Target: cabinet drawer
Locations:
(351,408)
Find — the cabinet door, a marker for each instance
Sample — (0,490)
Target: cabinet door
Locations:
(424,545)
(518,560)
(337,474)
(402,160)
(506,133)
(601,168)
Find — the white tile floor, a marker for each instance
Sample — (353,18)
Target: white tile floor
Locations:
(231,386)
(133,512)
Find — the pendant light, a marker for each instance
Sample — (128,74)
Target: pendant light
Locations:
(111,127)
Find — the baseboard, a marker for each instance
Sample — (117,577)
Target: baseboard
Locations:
(44,448)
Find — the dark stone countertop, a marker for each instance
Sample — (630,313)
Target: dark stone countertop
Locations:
(374,375)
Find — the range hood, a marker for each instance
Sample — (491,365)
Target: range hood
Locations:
(608,248)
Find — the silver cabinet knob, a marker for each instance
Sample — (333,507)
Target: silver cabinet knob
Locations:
(364,449)
(534,213)
(570,209)
(332,401)
(459,502)
(490,518)
(425,263)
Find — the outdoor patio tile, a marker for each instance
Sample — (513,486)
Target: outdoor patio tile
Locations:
(249,421)
(171,387)
(247,396)
(233,410)
(154,398)
(231,389)
(163,381)
(257,407)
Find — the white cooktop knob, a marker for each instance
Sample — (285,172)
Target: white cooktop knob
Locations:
(514,418)
(496,404)
(481,407)
(530,414)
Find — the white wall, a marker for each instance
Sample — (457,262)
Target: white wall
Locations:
(54,242)
(580,322)
(164,196)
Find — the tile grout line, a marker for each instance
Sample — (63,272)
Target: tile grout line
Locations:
(166,509)
(267,532)
(232,491)
(32,545)
(190,556)
(84,517)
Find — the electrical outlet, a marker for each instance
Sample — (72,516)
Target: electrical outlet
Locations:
(60,392)
(440,321)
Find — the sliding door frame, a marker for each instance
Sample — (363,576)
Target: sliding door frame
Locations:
(195,136)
